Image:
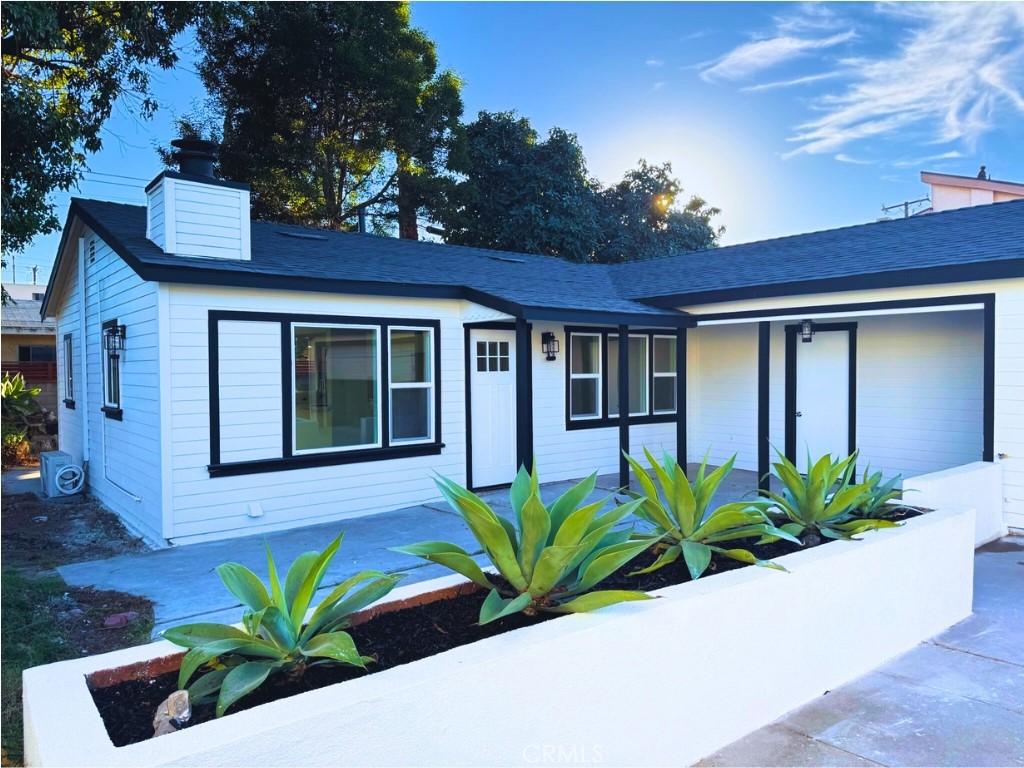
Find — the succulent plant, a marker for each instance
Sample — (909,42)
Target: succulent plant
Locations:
(550,559)
(880,494)
(275,637)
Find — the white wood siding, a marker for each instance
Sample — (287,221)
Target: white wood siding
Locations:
(219,507)
(1009,361)
(189,218)
(124,456)
(155,215)
(251,398)
(68,317)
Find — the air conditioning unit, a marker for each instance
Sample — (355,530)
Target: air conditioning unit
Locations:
(59,474)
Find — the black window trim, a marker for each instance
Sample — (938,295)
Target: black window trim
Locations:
(604,420)
(115,412)
(288,459)
(68,346)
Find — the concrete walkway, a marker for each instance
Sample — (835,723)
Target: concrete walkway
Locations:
(20,480)
(183,585)
(955,700)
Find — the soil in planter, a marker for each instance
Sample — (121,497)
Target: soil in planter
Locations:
(394,639)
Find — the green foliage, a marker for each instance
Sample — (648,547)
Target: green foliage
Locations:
(640,219)
(681,523)
(275,638)
(879,494)
(326,107)
(521,193)
(551,558)
(65,66)
(18,403)
(822,502)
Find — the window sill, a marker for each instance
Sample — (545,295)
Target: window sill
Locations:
(323,460)
(661,418)
(69,404)
(113,413)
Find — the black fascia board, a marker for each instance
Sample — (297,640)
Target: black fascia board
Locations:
(678,320)
(199,179)
(903,278)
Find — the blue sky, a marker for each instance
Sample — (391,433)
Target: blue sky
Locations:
(789,117)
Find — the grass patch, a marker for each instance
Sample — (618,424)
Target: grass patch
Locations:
(45,621)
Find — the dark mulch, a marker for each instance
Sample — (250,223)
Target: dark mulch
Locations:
(394,639)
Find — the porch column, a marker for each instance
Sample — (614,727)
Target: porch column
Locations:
(623,364)
(681,449)
(524,395)
(763,370)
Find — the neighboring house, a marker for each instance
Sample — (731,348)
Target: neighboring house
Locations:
(225,378)
(949,192)
(28,344)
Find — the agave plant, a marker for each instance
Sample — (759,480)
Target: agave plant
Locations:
(275,637)
(879,494)
(550,558)
(822,503)
(681,525)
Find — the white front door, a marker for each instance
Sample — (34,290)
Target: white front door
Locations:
(492,381)
(823,396)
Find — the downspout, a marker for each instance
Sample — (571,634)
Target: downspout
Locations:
(83,323)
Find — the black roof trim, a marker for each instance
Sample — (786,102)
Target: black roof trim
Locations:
(954,273)
(680,320)
(199,179)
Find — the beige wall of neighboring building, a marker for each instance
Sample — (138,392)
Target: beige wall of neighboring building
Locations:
(949,191)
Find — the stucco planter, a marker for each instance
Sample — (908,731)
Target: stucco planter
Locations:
(656,683)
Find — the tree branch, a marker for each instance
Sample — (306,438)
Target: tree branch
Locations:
(375,199)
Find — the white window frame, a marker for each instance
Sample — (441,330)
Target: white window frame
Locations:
(648,364)
(296,451)
(597,376)
(663,375)
(429,386)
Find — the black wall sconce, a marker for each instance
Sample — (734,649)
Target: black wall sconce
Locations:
(549,344)
(806,331)
(113,339)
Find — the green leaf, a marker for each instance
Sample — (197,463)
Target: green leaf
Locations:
(576,525)
(191,635)
(496,607)
(337,617)
(697,557)
(450,556)
(296,575)
(242,680)
(519,493)
(205,689)
(311,583)
(536,527)
(670,555)
(330,603)
(552,564)
(607,561)
(599,599)
(569,501)
(338,646)
(276,593)
(745,556)
(277,628)
(244,584)
(707,486)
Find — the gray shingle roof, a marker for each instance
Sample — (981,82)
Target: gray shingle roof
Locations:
(968,236)
(966,244)
(23,317)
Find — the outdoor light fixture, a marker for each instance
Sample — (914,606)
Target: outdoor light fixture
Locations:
(549,344)
(806,331)
(113,338)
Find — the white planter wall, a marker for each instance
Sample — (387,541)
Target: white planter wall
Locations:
(655,683)
(979,484)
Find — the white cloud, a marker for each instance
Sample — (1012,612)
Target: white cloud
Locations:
(791,83)
(852,160)
(655,62)
(659,85)
(961,66)
(751,58)
(917,162)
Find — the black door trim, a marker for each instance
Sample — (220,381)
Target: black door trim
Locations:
(791,383)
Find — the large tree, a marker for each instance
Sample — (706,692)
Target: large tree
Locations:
(327,108)
(518,192)
(640,217)
(65,66)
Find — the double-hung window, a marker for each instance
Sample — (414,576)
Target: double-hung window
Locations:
(585,376)
(593,377)
(412,385)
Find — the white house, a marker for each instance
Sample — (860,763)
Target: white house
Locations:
(231,377)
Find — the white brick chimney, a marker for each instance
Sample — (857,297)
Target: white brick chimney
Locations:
(189,212)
